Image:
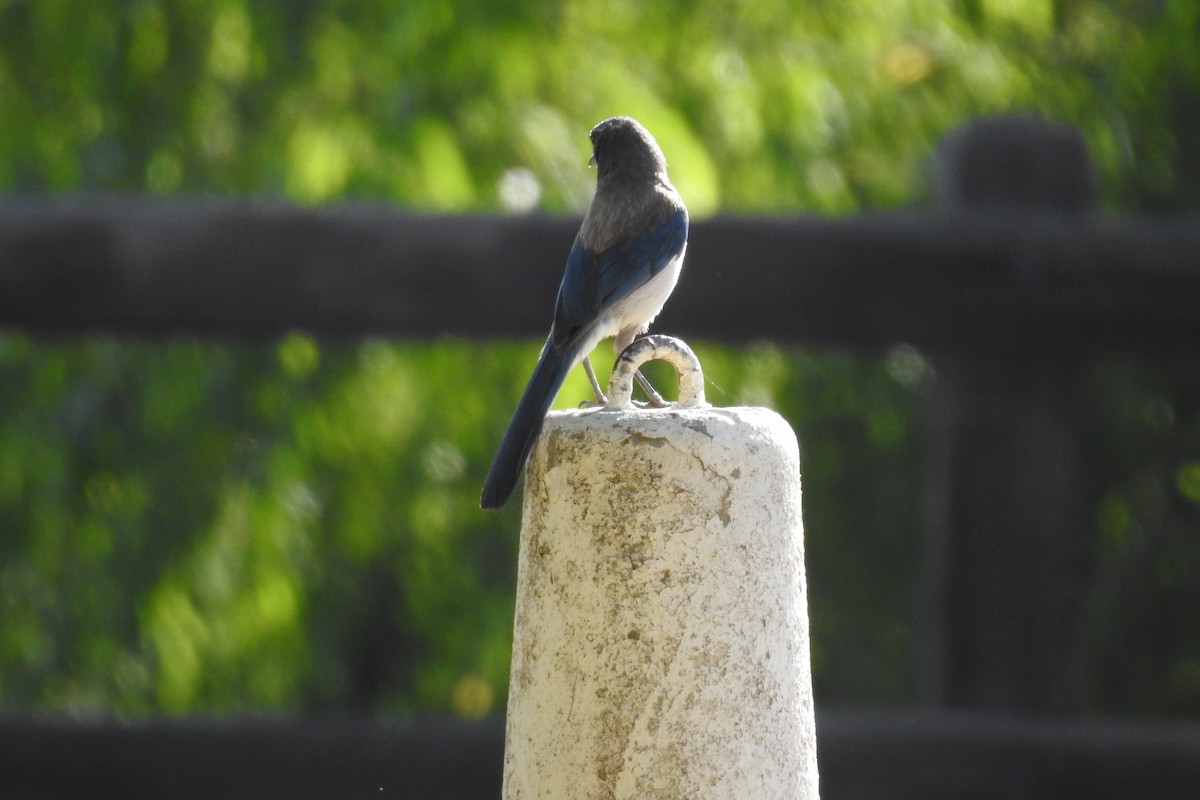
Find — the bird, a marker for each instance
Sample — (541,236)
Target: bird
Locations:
(621,269)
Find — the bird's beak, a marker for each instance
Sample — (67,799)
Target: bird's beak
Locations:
(592,160)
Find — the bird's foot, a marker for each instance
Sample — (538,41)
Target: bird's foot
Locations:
(601,400)
(653,398)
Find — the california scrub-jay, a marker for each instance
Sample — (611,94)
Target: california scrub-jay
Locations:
(621,270)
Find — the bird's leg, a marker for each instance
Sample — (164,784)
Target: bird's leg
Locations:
(601,400)
(653,398)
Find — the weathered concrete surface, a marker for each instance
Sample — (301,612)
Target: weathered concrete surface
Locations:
(661,642)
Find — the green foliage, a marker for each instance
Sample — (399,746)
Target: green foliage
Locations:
(1145,604)
(226,527)
(760,104)
(294,526)
(222,527)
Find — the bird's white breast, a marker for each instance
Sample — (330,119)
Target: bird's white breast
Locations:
(634,313)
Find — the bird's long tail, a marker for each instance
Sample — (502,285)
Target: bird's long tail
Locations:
(526,424)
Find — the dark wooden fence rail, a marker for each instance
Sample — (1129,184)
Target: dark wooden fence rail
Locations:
(1012,286)
(890,756)
(966,282)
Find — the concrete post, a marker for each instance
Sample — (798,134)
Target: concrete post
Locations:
(661,637)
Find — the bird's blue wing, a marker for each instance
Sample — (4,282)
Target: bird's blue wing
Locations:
(626,266)
(593,282)
(578,295)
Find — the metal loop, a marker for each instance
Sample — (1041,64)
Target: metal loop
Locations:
(655,348)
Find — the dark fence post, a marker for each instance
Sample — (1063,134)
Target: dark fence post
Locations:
(1008,527)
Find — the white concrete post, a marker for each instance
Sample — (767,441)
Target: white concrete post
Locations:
(661,637)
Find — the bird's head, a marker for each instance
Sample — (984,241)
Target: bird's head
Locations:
(621,146)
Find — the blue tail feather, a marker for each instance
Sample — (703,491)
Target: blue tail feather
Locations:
(526,424)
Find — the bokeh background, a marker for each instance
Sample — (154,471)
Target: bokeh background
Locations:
(222,527)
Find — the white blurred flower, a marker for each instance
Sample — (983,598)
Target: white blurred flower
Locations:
(520,190)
